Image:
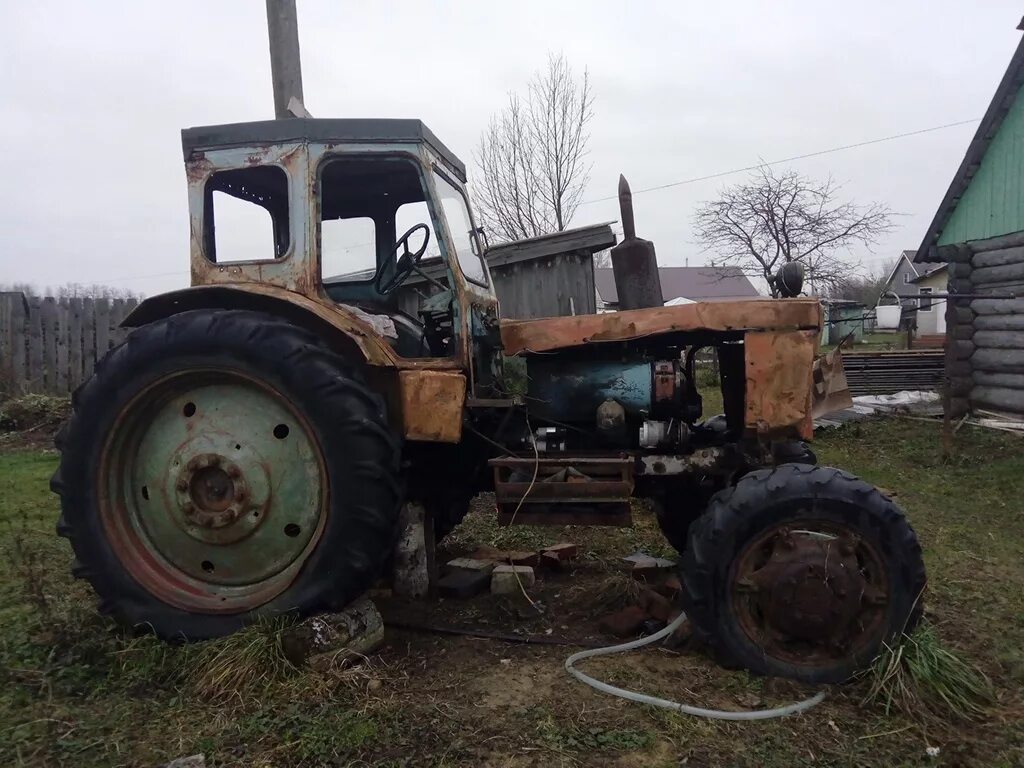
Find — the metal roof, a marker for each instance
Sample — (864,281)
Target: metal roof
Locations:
(1004,97)
(592,238)
(346,130)
(696,283)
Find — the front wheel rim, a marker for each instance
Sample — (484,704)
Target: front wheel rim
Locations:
(811,594)
(214,491)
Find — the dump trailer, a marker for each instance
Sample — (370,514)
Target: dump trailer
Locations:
(246,451)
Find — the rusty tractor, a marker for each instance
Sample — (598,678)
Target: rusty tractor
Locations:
(245,452)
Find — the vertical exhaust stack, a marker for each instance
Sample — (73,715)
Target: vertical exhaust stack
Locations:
(634,263)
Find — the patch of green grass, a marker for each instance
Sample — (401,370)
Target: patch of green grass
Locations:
(924,680)
(572,737)
(242,664)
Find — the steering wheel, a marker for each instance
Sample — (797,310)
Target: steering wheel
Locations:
(406,262)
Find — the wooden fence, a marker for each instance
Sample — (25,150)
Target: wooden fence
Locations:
(50,345)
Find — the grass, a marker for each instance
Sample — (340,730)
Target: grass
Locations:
(921,678)
(74,690)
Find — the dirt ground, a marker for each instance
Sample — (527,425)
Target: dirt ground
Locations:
(76,691)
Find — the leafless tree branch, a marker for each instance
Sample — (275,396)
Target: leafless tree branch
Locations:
(532,158)
(774,218)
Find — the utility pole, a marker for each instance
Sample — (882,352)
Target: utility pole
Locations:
(285,61)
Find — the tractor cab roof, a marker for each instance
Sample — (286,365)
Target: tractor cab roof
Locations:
(308,129)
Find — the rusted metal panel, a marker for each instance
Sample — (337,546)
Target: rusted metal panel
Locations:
(563,490)
(432,403)
(374,348)
(779,381)
(830,392)
(293,269)
(524,336)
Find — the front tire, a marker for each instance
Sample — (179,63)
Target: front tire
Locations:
(802,572)
(223,465)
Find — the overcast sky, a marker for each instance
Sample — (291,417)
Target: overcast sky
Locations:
(95,93)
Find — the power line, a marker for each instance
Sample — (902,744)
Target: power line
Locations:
(819,153)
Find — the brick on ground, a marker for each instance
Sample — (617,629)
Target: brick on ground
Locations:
(624,623)
(563,550)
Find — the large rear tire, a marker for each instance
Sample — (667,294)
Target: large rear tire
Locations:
(223,465)
(802,572)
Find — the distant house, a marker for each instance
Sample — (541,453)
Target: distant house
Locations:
(931,313)
(903,281)
(680,285)
(978,234)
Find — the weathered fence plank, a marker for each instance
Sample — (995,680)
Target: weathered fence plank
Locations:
(62,346)
(10,336)
(88,337)
(50,345)
(74,343)
(102,328)
(35,380)
(48,310)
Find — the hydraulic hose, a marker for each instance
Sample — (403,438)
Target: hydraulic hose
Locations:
(654,701)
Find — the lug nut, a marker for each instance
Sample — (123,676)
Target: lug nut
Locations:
(188,507)
(215,461)
(234,471)
(182,486)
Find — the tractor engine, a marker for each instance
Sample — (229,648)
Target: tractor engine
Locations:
(614,403)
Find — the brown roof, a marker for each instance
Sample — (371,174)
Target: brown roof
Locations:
(695,283)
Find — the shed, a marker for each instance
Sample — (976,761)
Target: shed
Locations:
(551,275)
(979,230)
(842,318)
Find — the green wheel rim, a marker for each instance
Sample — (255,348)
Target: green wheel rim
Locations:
(214,491)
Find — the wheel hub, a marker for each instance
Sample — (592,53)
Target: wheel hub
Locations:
(808,595)
(212,491)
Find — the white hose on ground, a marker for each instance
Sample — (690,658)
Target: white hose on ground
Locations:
(654,701)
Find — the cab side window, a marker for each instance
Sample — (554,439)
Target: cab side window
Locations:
(246,215)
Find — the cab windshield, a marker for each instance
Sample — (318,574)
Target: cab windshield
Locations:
(460,225)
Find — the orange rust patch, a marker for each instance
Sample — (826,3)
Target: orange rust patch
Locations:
(432,403)
(779,379)
(519,336)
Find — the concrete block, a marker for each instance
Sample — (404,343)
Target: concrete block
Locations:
(506,579)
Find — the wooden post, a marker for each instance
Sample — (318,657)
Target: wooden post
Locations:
(34,380)
(285,61)
(947,395)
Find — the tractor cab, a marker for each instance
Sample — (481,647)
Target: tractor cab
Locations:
(370,216)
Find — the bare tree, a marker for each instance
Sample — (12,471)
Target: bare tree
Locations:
(26,288)
(774,218)
(865,289)
(532,159)
(93,291)
(603,259)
